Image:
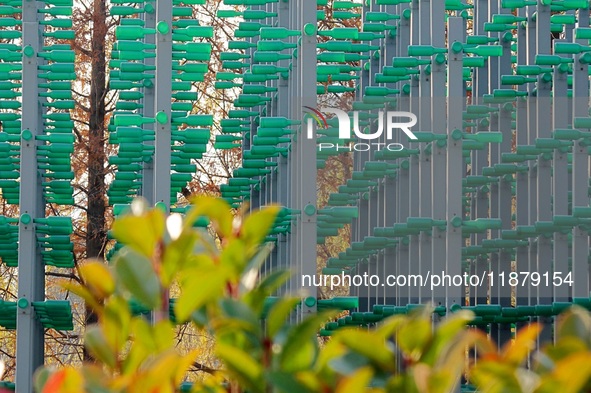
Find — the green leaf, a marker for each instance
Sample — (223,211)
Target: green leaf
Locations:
(348,364)
(94,378)
(218,211)
(286,382)
(175,255)
(234,256)
(357,382)
(83,293)
(369,345)
(115,322)
(142,233)
(268,285)
(279,314)
(492,376)
(236,310)
(453,355)
(40,378)
(163,333)
(251,272)
(525,341)
(414,336)
(441,381)
(199,317)
(142,346)
(200,287)
(389,326)
(257,225)
(564,347)
(575,323)
(449,327)
(273,281)
(247,370)
(137,275)
(570,375)
(300,345)
(98,346)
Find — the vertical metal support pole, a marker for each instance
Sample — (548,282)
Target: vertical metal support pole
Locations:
(360,158)
(389,201)
(292,202)
(425,123)
(283,180)
(543,183)
(414,172)
(307,147)
(531,140)
(580,171)
(163,93)
(439,152)
(522,190)
(480,87)
(31,270)
(481,208)
(503,293)
(480,158)
(494,158)
(403,179)
(148,112)
(455,107)
(560,183)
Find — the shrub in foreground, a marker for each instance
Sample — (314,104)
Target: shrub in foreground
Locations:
(260,347)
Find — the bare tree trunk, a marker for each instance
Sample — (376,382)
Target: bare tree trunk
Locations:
(96,231)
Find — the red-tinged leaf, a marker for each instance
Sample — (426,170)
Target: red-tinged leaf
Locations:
(66,380)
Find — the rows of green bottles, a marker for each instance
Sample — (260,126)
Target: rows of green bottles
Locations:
(254,68)
(55,145)
(130,75)
(9,241)
(57,73)
(10,84)
(476,117)
(53,314)
(342,49)
(132,72)
(484,314)
(54,152)
(257,73)
(53,238)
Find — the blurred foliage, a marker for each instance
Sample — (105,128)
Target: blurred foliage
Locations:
(564,366)
(261,345)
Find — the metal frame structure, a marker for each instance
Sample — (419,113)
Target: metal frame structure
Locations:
(497,181)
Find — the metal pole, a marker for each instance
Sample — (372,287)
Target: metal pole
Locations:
(580,250)
(307,147)
(163,93)
(31,270)
(455,107)
(148,111)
